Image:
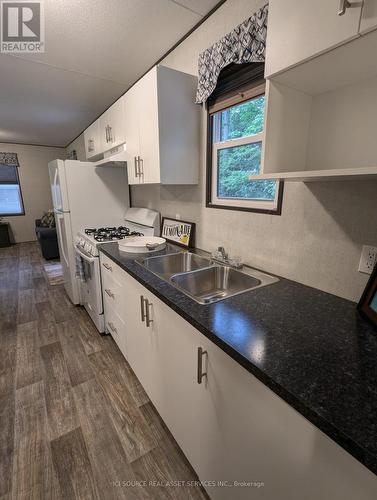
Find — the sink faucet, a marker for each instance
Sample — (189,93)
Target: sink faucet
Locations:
(224,255)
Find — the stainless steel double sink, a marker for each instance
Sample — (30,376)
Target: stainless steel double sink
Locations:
(202,279)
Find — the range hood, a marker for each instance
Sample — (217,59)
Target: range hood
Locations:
(116,157)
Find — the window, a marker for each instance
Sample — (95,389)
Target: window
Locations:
(235,143)
(10,191)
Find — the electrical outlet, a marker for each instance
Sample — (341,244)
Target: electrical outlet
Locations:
(368,259)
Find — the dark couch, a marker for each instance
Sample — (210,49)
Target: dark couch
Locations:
(48,240)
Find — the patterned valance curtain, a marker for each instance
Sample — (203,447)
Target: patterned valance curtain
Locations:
(9,159)
(246,43)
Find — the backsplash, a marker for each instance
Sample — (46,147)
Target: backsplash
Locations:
(316,241)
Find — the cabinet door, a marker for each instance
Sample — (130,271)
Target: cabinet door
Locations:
(93,145)
(301,29)
(116,123)
(104,124)
(132,100)
(149,136)
(173,347)
(139,336)
(368,16)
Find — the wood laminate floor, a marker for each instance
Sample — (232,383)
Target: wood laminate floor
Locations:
(74,420)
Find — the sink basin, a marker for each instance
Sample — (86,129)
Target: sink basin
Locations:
(219,282)
(203,280)
(181,262)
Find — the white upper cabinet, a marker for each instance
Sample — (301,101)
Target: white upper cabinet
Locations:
(301,29)
(159,122)
(321,91)
(162,128)
(111,125)
(368,16)
(93,143)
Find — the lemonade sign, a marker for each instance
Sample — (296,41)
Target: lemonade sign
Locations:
(178,231)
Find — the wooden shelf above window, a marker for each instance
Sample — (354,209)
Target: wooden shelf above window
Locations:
(341,174)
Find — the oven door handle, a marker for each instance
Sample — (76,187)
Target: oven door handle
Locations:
(85,256)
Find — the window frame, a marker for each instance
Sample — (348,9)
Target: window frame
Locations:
(18,183)
(238,95)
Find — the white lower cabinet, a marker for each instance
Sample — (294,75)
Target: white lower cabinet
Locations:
(231,427)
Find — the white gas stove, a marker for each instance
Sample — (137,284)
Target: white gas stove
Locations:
(137,222)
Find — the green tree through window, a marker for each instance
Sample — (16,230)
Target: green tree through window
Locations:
(235,163)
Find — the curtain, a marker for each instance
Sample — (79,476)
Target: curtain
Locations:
(8,168)
(246,43)
(9,159)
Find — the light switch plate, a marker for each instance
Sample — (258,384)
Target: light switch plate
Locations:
(368,259)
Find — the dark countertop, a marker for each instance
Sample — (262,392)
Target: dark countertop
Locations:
(309,347)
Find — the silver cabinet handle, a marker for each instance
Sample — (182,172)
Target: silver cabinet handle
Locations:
(107,266)
(111,134)
(144,308)
(112,327)
(106,133)
(109,293)
(200,374)
(90,145)
(142,300)
(148,320)
(140,162)
(135,161)
(346,4)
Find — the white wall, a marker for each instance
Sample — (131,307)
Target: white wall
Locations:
(35,186)
(317,240)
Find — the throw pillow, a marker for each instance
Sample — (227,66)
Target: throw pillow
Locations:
(48,219)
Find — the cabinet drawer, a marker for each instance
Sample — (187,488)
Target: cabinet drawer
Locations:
(113,296)
(116,327)
(110,269)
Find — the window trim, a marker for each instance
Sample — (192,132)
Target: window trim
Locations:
(244,94)
(21,197)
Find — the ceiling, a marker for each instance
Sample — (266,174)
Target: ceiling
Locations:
(94,51)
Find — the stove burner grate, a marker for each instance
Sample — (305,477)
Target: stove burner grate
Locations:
(103,234)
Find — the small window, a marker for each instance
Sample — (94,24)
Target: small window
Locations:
(10,191)
(236,114)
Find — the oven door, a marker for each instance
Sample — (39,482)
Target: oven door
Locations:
(91,289)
